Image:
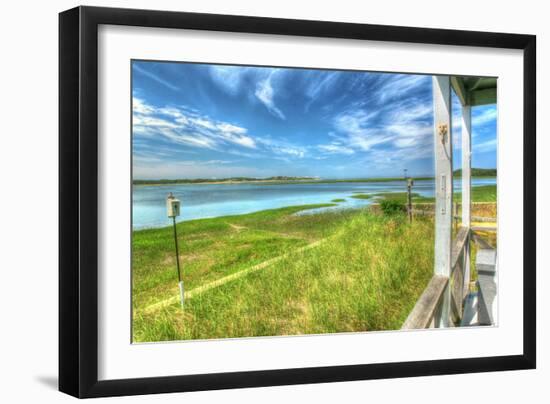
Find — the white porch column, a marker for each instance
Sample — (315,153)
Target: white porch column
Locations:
(443,189)
(466,163)
(466,185)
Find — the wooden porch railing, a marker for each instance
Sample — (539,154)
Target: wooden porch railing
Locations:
(442,304)
(425,310)
(460,280)
(428,306)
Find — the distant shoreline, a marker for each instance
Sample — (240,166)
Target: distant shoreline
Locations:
(483,194)
(269,181)
(282,182)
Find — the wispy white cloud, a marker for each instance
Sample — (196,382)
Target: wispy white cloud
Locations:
(264,92)
(480,118)
(486,146)
(401,127)
(146,121)
(409,111)
(360,121)
(322,83)
(398,85)
(281,147)
(144,159)
(194,169)
(290,151)
(155,77)
(253,154)
(486,116)
(229,78)
(355,131)
(396,131)
(257,83)
(319,83)
(139,107)
(335,148)
(235,134)
(184,126)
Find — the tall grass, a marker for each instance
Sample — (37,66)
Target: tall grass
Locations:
(212,248)
(366,275)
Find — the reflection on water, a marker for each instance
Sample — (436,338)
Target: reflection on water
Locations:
(213,200)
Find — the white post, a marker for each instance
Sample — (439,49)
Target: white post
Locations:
(443,189)
(466,163)
(182,294)
(466,186)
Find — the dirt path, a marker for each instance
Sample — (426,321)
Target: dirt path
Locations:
(222,281)
(237,227)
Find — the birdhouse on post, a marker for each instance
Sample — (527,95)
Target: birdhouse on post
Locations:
(173,210)
(172,206)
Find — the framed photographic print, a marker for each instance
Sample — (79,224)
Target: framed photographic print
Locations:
(251,201)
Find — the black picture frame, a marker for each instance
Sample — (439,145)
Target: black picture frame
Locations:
(78,200)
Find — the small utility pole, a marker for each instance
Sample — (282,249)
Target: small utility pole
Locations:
(410,183)
(173,208)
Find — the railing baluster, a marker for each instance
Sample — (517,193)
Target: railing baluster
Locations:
(429,305)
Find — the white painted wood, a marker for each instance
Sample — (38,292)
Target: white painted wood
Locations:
(466,164)
(460,90)
(466,186)
(486,268)
(444,189)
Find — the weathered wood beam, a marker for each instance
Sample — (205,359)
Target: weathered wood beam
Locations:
(459,244)
(427,304)
(460,90)
(444,189)
(458,272)
(484,219)
(484,228)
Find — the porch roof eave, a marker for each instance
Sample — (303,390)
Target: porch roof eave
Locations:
(474,91)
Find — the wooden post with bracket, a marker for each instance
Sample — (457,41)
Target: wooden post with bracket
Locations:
(444,190)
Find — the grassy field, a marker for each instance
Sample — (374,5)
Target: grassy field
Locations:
(366,275)
(364,271)
(484,193)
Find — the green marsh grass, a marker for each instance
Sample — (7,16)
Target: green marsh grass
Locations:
(366,275)
(361,196)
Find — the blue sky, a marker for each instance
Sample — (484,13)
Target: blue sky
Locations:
(215,121)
